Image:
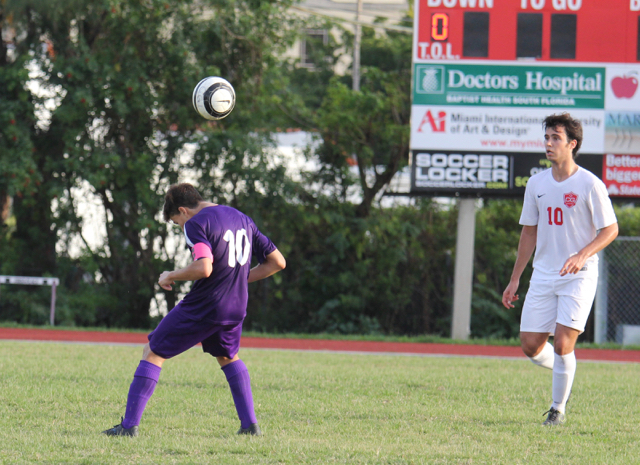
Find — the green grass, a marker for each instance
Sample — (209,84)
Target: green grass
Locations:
(313,408)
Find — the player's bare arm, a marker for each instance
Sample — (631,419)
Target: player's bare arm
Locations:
(575,262)
(274,262)
(196,270)
(526,246)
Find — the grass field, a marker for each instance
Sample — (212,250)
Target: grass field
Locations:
(313,408)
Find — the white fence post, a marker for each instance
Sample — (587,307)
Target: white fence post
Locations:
(463,275)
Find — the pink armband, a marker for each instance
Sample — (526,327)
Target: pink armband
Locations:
(202,250)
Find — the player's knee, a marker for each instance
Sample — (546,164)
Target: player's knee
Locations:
(530,348)
(563,347)
(146,350)
(223,361)
(149,355)
(529,351)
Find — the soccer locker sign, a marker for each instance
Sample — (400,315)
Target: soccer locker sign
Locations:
(495,174)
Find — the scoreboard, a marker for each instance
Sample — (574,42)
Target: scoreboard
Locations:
(604,31)
(487,72)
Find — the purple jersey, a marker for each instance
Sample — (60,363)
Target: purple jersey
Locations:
(233,239)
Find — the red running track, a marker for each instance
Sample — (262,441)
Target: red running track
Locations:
(412,348)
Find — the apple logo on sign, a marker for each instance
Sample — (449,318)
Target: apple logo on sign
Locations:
(624,86)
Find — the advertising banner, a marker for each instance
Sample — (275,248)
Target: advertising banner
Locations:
(621,175)
(500,174)
(622,104)
(622,132)
(509,86)
(489,129)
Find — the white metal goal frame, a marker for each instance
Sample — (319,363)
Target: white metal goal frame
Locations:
(36,281)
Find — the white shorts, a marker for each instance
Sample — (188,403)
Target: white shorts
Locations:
(550,301)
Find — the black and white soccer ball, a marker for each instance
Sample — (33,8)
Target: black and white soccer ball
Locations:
(214,98)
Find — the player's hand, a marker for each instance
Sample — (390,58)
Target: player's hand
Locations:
(573,264)
(509,295)
(165,282)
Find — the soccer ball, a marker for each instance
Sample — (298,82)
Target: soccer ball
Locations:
(214,98)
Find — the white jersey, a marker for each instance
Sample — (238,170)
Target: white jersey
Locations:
(568,215)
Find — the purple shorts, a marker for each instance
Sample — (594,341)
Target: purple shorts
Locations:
(177,333)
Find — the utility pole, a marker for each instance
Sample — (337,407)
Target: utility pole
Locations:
(356,48)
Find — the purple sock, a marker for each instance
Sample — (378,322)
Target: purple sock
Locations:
(142,387)
(240,384)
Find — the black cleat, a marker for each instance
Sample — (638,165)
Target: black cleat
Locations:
(253,430)
(554,418)
(120,430)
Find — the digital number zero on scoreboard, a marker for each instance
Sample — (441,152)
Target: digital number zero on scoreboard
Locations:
(440,27)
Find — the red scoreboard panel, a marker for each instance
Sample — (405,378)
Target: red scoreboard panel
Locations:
(599,31)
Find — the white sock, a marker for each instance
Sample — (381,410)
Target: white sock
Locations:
(545,357)
(564,370)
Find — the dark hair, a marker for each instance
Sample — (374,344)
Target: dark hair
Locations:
(572,128)
(180,195)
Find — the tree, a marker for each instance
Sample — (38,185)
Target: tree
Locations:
(17,119)
(496,246)
(369,128)
(120,76)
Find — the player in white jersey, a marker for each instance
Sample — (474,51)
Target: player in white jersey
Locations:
(567,217)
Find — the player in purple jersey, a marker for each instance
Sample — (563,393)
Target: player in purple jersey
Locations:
(222,241)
